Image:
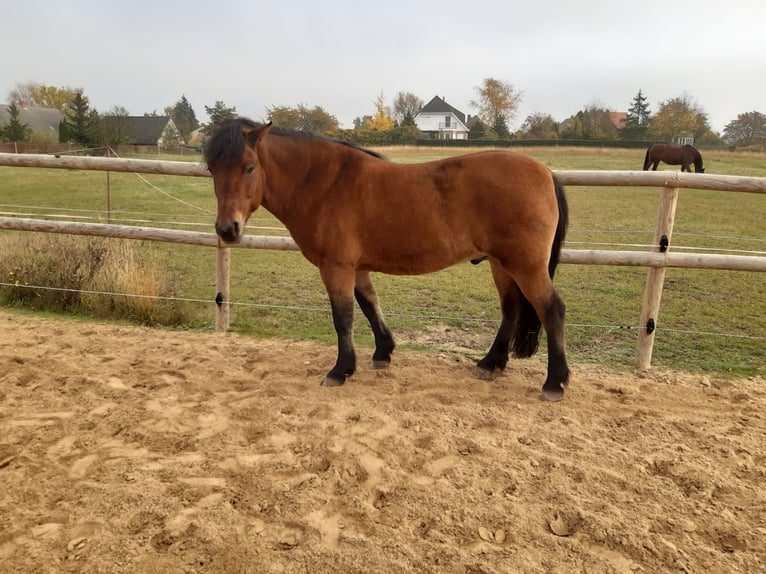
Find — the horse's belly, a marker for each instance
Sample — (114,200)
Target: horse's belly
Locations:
(415,258)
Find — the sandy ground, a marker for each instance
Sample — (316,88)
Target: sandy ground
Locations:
(136,450)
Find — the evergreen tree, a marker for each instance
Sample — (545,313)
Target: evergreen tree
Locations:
(477,131)
(408,120)
(218,113)
(79,121)
(637,122)
(14,130)
(500,127)
(184,117)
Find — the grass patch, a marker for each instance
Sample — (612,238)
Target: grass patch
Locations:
(85,275)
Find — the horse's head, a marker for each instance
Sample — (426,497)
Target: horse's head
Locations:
(232,158)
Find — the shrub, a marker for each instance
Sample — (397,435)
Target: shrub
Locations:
(87,275)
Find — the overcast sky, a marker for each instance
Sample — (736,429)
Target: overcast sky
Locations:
(341,54)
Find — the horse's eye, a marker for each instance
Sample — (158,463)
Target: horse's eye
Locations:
(250,169)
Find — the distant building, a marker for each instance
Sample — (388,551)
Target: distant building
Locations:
(619,119)
(159,131)
(44,122)
(439,120)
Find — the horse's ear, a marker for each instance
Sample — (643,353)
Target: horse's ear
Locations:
(254,136)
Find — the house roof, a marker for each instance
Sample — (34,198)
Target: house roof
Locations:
(42,120)
(141,130)
(437,105)
(619,119)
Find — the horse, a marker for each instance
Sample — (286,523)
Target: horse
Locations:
(673,155)
(352,212)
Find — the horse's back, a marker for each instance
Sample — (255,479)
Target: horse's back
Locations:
(424,217)
(485,183)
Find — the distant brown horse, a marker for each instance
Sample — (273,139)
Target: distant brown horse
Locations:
(684,156)
(352,212)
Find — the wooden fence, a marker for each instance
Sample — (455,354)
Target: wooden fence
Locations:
(657,260)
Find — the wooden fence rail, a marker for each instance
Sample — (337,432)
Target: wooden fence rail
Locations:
(657,260)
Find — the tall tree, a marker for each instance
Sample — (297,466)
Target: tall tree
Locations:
(748,129)
(597,122)
(315,120)
(497,103)
(500,127)
(679,117)
(80,124)
(33,94)
(381,120)
(14,130)
(593,122)
(539,126)
(184,117)
(360,122)
(116,126)
(406,106)
(638,120)
(217,114)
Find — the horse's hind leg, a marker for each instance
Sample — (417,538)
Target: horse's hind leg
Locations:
(368,302)
(547,309)
(510,299)
(550,309)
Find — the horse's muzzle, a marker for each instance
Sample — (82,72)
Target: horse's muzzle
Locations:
(231,233)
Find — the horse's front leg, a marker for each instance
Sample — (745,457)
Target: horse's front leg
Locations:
(368,302)
(339,282)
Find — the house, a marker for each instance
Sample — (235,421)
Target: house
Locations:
(159,131)
(439,120)
(619,119)
(44,122)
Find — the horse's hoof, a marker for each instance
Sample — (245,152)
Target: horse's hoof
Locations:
(332,382)
(378,365)
(553,396)
(486,374)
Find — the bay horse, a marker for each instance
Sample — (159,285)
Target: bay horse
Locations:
(684,156)
(352,212)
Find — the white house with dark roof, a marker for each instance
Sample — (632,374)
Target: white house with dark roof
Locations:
(439,120)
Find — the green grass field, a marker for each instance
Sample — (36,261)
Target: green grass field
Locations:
(710,321)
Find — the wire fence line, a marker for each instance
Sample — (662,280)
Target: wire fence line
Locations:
(326,310)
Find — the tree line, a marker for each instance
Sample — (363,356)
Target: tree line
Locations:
(496,104)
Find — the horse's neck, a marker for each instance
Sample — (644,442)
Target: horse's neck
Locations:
(293,172)
(283,167)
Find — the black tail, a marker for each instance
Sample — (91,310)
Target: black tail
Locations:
(526,337)
(646,159)
(561,228)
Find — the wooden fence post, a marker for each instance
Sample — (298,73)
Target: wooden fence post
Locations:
(222,279)
(650,308)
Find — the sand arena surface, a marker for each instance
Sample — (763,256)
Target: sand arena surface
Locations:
(126,450)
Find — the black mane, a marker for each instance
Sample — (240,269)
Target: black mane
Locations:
(228,144)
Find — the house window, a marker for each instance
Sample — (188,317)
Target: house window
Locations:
(447,120)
